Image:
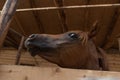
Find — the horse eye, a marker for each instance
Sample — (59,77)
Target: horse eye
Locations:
(73,35)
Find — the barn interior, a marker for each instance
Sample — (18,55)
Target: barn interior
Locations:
(56,21)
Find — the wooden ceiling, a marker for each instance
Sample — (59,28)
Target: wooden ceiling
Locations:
(59,21)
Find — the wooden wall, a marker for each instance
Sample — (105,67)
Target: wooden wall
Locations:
(48,21)
(10,72)
(8,56)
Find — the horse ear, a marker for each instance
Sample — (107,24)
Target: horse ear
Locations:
(94,30)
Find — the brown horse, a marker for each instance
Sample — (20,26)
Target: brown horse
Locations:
(73,49)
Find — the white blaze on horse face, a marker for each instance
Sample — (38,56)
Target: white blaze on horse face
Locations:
(60,42)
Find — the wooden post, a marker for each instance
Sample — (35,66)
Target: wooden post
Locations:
(15,32)
(61,14)
(6,17)
(19,50)
(119,43)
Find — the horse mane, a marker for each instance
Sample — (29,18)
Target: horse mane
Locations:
(84,37)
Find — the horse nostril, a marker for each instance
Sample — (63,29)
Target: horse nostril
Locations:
(32,36)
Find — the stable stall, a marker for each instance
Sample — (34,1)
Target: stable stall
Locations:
(20,18)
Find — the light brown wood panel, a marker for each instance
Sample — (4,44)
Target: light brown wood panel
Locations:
(101,15)
(14,24)
(13,72)
(23,4)
(28,23)
(49,18)
(27,19)
(106,23)
(113,40)
(8,56)
(75,17)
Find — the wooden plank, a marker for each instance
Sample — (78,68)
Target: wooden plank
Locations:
(61,14)
(17,23)
(119,43)
(36,16)
(104,19)
(20,50)
(5,18)
(9,56)
(13,72)
(49,18)
(75,17)
(69,7)
(26,20)
(113,42)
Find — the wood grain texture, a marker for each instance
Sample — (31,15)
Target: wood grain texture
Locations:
(48,21)
(6,17)
(13,72)
(8,56)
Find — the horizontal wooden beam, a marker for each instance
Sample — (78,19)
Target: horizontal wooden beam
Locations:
(70,7)
(8,56)
(12,72)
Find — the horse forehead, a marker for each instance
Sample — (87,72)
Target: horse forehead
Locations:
(49,35)
(76,31)
(60,35)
